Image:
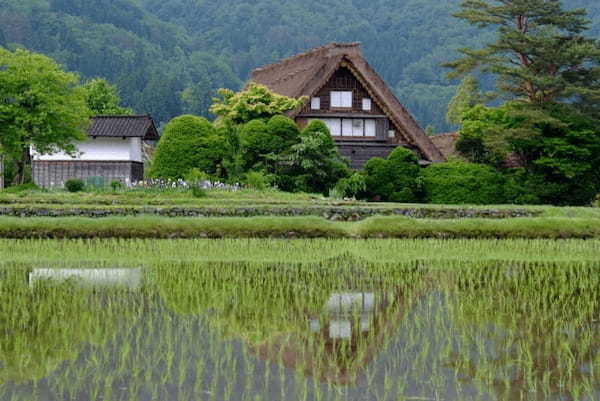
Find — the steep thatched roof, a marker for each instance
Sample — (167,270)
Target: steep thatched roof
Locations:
(123,126)
(306,73)
(446,143)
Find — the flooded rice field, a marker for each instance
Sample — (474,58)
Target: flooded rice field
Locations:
(345,327)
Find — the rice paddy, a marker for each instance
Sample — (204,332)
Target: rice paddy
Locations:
(252,319)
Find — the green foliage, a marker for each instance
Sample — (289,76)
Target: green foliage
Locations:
(20,189)
(254,102)
(540,53)
(394,179)
(262,143)
(458,182)
(558,147)
(74,185)
(314,164)
(41,106)
(257,180)
(195,177)
(468,95)
(188,142)
(349,186)
(199,192)
(257,143)
(103,98)
(116,185)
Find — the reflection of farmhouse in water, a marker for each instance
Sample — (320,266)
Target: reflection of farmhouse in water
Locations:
(122,277)
(341,342)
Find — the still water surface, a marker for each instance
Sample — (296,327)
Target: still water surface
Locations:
(338,332)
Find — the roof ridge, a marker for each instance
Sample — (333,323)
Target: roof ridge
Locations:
(307,53)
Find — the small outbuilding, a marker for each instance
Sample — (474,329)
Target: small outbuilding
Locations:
(113,152)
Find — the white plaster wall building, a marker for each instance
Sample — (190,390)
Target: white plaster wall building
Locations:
(113,151)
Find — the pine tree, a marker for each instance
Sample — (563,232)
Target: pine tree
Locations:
(541,54)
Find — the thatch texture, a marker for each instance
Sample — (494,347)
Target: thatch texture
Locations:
(306,73)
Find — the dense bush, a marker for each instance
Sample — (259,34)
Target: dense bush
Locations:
(394,179)
(257,143)
(349,187)
(557,148)
(314,164)
(262,143)
(458,182)
(256,180)
(74,185)
(188,142)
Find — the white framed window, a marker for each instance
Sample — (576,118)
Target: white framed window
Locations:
(366,104)
(334,125)
(341,99)
(358,128)
(347,127)
(315,103)
(391,133)
(370,128)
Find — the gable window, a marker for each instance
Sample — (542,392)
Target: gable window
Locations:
(315,103)
(341,99)
(366,104)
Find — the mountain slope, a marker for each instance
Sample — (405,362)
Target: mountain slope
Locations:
(169,56)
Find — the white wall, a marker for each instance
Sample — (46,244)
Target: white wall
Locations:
(101,149)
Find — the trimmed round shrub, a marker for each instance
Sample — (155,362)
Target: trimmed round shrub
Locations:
(257,142)
(74,185)
(395,179)
(188,142)
(285,129)
(458,182)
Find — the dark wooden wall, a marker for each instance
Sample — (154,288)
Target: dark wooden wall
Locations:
(360,153)
(343,80)
(48,174)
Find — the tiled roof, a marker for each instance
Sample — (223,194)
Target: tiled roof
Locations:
(306,73)
(123,126)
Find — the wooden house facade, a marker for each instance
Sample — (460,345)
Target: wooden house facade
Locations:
(114,151)
(346,93)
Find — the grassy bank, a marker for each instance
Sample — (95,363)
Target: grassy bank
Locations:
(246,203)
(297,227)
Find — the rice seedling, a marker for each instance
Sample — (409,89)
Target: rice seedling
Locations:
(300,320)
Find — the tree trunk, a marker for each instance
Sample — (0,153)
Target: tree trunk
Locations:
(22,164)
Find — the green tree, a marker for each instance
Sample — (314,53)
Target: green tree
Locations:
(314,164)
(394,179)
(468,95)
(255,102)
(188,142)
(41,106)
(103,98)
(541,54)
(263,144)
(558,148)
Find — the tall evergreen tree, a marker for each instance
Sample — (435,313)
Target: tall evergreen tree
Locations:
(540,55)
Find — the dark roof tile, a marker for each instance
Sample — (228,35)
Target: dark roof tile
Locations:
(123,126)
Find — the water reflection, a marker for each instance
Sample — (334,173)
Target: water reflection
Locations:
(101,277)
(300,332)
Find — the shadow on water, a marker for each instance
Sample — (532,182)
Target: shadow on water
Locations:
(338,330)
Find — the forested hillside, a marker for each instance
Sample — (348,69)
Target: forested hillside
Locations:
(169,56)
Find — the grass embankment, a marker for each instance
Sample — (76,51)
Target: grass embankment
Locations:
(297,227)
(245,203)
